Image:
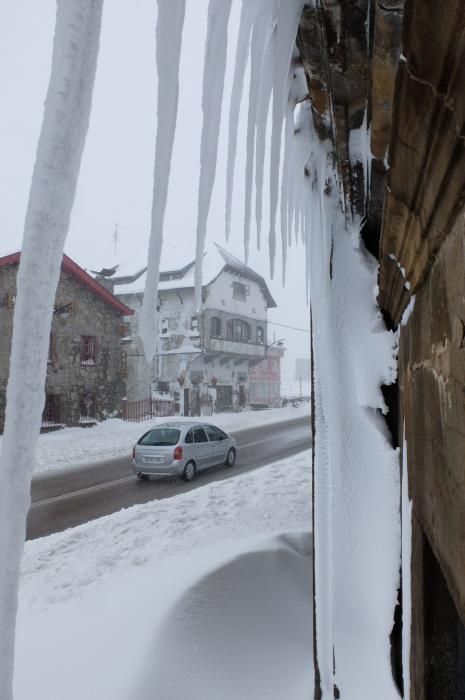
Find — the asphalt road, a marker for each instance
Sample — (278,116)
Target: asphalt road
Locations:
(70,497)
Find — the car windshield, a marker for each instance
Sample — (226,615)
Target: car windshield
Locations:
(161,437)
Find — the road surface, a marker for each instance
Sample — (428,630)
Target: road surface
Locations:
(70,497)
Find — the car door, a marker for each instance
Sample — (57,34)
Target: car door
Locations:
(217,443)
(202,448)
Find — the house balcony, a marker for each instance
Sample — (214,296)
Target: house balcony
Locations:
(237,348)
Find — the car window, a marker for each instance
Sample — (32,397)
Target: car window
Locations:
(212,432)
(200,435)
(160,437)
(189,437)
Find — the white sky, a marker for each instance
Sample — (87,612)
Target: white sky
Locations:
(116,177)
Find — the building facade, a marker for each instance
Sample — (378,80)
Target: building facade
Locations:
(203,356)
(265,379)
(86,373)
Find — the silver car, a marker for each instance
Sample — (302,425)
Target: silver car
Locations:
(181,448)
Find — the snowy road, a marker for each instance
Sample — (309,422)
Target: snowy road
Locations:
(66,499)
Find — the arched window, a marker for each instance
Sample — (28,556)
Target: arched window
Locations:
(260,335)
(215,327)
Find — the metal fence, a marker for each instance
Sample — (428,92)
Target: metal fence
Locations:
(146,409)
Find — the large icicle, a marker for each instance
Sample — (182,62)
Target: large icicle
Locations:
(266,86)
(248,12)
(259,37)
(289,14)
(212,97)
(51,198)
(169,39)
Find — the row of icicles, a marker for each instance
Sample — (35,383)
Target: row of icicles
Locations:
(298,163)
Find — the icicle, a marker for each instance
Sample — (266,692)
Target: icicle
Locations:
(250,8)
(170,23)
(258,46)
(53,187)
(212,97)
(289,14)
(266,86)
(302,148)
(285,184)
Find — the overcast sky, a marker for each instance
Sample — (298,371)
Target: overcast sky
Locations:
(116,177)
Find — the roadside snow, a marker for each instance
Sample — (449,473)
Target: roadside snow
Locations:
(208,566)
(73,447)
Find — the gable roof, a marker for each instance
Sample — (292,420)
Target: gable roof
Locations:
(81,276)
(215,260)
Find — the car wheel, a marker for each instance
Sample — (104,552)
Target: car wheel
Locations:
(231,458)
(143,477)
(189,471)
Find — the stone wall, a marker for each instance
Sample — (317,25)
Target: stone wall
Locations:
(66,376)
(432,404)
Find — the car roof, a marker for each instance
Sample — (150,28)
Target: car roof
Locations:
(182,424)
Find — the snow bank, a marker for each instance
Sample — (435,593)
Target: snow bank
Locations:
(73,447)
(176,596)
(198,627)
(65,565)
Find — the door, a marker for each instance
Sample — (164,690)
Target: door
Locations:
(218,442)
(186,402)
(202,448)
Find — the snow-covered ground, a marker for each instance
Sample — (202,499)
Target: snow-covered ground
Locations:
(73,447)
(197,596)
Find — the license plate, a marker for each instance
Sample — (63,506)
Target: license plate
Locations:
(153,460)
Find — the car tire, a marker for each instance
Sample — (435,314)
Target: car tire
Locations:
(189,471)
(231,457)
(143,477)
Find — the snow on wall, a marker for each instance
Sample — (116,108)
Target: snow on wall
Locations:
(54,179)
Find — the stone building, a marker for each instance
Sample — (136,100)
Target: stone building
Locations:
(86,364)
(203,358)
(393,71)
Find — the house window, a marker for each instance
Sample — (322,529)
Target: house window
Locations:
(238,330)
(240,291)
(87,412)
(215,327)
(52,410)
(260,335)
(88,350)
(164,326)
(124,360)
(194,324)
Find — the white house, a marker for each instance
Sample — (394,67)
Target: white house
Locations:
(202,359)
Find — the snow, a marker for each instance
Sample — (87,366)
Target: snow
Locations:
(169,33)
(406,571)
(72,447)
(201,590)
(53,186)
(212,97)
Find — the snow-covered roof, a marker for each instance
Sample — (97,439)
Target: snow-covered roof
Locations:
(215,260)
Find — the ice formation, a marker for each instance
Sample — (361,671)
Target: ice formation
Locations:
(170,23)
(212,98)
(54,179)
(356,478)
